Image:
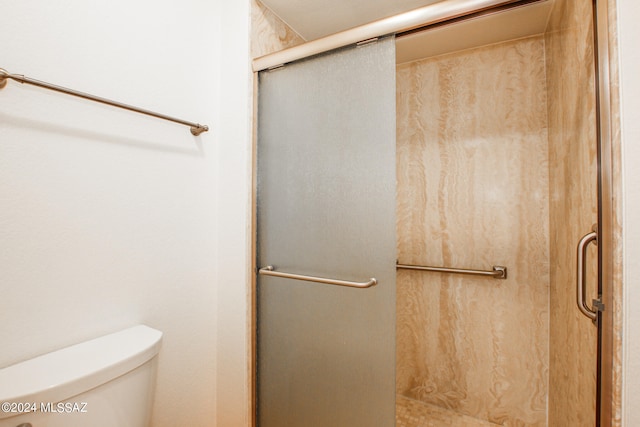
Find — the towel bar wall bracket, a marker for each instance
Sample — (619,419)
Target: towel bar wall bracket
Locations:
(196,128)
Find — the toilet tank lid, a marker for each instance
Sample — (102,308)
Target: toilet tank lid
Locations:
(62,374)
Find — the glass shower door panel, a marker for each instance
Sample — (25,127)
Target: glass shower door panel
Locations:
(573,178)
(326,208)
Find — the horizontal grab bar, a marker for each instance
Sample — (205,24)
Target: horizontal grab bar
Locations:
(497,272)
(270,271)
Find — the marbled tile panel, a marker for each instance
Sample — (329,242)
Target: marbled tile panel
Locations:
(269,33)
(573,210)
(616,160)
(472,172)
(413,413)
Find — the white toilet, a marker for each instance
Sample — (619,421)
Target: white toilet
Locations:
(105,382)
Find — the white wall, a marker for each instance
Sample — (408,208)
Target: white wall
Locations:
(629,36)
(109,218)
(234,197)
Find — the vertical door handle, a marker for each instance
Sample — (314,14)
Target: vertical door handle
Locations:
(581,282)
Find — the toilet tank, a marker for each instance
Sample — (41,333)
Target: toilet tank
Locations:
(106,382)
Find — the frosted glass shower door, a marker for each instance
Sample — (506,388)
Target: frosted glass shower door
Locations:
(326,209)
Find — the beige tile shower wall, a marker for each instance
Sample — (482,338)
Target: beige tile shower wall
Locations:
(473,192)
(269,33)
(617,285)
(573,209)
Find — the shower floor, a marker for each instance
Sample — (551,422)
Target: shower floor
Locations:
(412,413)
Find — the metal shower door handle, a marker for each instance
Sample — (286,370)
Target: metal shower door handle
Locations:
(581,282)
(271,271)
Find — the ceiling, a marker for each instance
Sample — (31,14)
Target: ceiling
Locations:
(313,19)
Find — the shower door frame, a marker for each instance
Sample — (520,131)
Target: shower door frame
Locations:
(606,407)
(608,228)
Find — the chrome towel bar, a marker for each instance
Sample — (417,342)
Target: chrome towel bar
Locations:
(270,271)
(497,272)
(196,128)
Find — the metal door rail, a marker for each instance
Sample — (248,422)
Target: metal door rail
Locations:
(270,271)
(497,272)
(196,128)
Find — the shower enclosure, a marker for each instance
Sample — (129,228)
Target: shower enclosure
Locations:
(433,227)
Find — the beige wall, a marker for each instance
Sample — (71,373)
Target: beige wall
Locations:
(628,15)
(472,193)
